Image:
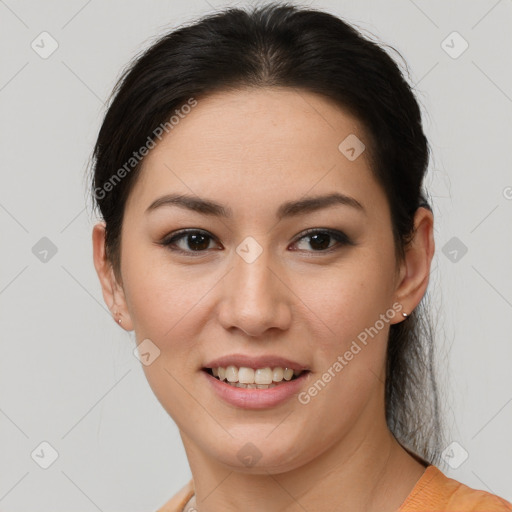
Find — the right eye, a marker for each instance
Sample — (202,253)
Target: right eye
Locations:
(194,241)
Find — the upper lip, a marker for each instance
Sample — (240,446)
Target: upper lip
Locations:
(246,361)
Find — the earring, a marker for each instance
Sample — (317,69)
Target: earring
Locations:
(405,315)
(119,320)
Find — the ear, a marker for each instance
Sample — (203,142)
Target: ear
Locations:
(113,293)
(415,271)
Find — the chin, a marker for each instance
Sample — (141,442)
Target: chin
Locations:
(258,455)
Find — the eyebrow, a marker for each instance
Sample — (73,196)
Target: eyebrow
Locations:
(288,209)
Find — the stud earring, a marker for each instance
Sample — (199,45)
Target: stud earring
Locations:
(405,315)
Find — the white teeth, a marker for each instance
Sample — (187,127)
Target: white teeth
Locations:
(246,375)
(278,374)
(260,378)
(232,374)
(263,376)
(252,386)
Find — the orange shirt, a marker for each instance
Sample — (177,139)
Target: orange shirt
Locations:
(433,492)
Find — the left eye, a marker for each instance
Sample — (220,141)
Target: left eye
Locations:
(319,239)
(196,241)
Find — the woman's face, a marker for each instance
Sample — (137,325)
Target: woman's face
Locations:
(252,284)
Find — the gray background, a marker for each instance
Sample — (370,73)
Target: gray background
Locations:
(67,372)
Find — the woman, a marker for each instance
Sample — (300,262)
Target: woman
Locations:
(266,236)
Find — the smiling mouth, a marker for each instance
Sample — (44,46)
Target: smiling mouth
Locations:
(250,378)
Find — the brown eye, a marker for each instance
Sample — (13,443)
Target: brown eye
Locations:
(193,241)
(321,239)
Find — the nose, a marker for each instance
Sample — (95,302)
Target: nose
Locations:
(256,297)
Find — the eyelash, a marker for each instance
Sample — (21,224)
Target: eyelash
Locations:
(338,236)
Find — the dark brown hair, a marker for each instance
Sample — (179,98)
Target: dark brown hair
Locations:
(284,45)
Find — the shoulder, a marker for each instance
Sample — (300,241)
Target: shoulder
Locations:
(178,501)
(436,492)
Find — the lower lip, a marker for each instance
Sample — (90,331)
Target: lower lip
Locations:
(253,398)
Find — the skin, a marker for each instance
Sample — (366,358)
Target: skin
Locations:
(336,452)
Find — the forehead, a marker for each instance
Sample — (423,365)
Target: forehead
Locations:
(279,118)
(270,144)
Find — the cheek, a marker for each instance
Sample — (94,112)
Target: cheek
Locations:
(159,295)
(341,302)
(350,343)
(164,307)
